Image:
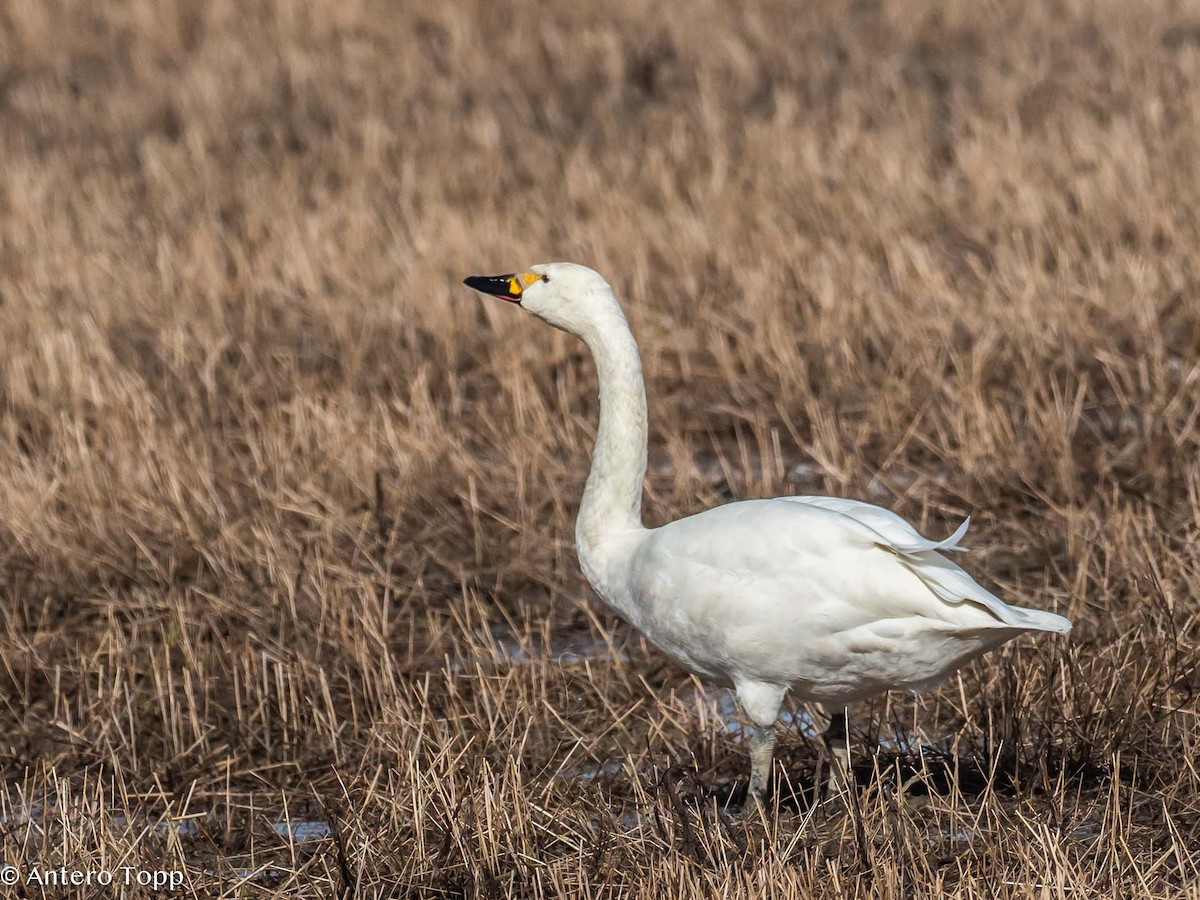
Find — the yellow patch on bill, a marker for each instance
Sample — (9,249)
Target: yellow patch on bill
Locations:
(518,283)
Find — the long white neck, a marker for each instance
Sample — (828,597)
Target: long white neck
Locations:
(610,515)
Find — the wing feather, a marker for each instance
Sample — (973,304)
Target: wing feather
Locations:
(948,582)
(884,526)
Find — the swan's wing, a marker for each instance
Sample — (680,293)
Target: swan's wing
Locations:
(813,544)
(885,527)
(950,583)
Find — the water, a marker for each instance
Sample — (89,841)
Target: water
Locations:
(955,836)
(163,827)
(631,821)
(803,473)
(299,831)
(303,832)
(256,874)
(591,771)
(905,742)
(722,705)
(565,651)
(574,649)
(25,815)
(1084,831)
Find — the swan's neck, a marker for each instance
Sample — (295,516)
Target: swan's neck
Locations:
(610,515)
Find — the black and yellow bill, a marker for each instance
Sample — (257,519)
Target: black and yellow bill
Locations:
(510,287)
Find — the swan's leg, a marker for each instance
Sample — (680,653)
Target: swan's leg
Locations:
(762,751)
(837,740)
(761,703)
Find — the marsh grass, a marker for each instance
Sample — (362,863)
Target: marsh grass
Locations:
(286,513)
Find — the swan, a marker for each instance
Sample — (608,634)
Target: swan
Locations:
(833,599)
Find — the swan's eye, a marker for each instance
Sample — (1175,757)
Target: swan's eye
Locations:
(546,279)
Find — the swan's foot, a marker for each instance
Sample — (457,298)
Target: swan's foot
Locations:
(762,751)
(837,741)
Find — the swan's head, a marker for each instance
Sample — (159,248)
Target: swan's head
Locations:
(568,296)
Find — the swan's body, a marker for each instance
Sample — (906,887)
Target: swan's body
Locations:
(834,599)
(813,599)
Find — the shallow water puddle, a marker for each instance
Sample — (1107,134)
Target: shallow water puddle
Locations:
(257,874)
(303,832)
(631,821)
(1085,831)
(575,649)
(905,742)
(163,827)
(722,705)
(955,836)
(567,650)
(591,771)
(298,831)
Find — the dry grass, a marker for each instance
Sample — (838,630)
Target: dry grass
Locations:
(287,512)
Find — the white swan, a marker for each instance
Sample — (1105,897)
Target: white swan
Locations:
(834,599)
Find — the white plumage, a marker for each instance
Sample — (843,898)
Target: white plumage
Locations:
(833,599)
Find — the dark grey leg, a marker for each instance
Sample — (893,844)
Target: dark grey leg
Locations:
(837,741)
(762,750)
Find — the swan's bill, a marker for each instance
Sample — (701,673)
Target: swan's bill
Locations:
(509,287)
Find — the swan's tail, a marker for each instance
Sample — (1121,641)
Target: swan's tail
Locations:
(1040,620)
(953,585)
